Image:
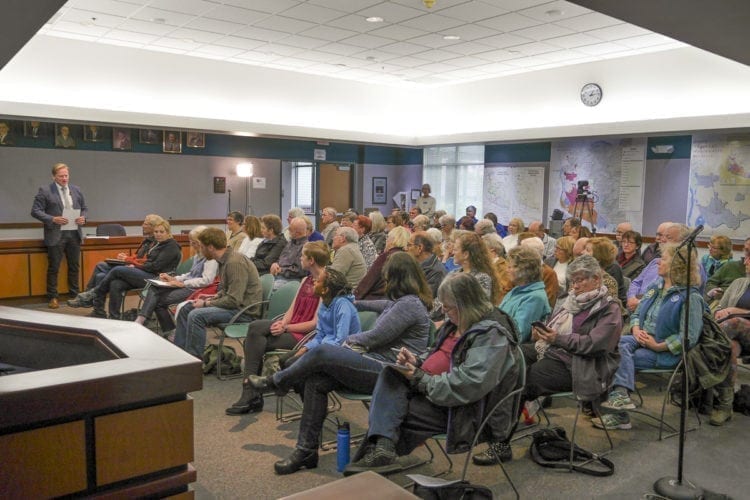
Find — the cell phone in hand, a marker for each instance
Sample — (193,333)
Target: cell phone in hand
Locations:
(540,325)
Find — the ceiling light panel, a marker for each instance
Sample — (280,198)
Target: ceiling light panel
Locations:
(391,12)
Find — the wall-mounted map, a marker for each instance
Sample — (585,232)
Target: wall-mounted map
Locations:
(614,169)
(719,196)
(514,190)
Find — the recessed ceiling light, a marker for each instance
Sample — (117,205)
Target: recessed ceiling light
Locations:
(554,13)
(374,19)
(451,37)
(370,58)
(158,20)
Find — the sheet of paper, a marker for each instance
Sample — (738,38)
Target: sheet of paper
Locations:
(71,214)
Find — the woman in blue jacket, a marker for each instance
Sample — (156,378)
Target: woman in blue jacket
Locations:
(527,301)
(656,331)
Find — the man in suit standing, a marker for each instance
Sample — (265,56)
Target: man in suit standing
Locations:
(48,207)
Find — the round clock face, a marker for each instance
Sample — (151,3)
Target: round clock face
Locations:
(591,94)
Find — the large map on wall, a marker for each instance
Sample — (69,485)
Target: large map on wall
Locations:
(513,190)
(614,169)
(719,195)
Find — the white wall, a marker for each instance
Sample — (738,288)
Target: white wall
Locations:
(678,90)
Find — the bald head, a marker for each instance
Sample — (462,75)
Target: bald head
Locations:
(661,232)
(622,228)
(579,246)
(297,228)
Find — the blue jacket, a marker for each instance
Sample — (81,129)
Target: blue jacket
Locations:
(526,304)
(669,322)
(335,322)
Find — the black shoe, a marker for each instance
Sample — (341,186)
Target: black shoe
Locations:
(501,450)
(265,384)
(97,313)
(248,394)
(295,461)
(85,299)
(381,459)
(252,406)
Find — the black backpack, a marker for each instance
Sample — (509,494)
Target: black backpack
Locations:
(550,448)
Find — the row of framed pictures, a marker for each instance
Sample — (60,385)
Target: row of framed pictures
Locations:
(67,136)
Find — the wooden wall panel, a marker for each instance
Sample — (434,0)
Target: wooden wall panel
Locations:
(38,263)
(44,463)
(15,280)
(137,442)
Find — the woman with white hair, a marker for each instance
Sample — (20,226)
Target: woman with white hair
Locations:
(372,286)
(377,232)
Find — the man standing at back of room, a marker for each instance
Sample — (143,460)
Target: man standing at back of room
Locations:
(51,204)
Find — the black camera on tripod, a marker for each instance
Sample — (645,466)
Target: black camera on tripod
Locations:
(584,191)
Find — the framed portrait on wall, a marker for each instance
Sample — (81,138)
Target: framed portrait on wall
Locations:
(93,133)
(35,129)
(149,136)
(121,139)
(196,140)
(172,141)
(64,136)
(379,190)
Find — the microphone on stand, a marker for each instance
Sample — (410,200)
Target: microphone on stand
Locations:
(691,237)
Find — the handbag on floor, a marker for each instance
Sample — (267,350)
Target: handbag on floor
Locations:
(435,488)
(550,448)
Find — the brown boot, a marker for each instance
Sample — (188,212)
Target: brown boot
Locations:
(724,401)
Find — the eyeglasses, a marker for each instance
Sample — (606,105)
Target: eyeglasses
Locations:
(580,280)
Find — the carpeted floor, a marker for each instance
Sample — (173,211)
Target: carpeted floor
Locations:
(234,456)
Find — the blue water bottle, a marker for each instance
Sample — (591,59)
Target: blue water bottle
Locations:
(343,437)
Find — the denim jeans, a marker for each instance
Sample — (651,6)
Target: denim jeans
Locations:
(117,282)
(158,300)
(190,334)
(324,369)
(635,357)
(100,271)
(403,416)
(259,341)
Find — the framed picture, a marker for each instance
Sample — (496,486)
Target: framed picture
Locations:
(415,194)
(172,141)
(35,129)
(93,133)
(379,190)
(64,136)
(196,140)
(121,139)
(149,136)
(6,133)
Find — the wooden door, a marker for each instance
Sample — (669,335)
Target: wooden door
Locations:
(335,186)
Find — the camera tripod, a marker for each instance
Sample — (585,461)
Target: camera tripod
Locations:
(585,205)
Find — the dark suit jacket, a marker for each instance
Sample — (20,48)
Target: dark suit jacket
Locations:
(47,205)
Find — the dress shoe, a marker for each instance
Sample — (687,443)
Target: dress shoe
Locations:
(53,303)
(295,461)
(252,406)
(501,450)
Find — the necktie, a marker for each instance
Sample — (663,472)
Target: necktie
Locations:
(65,197)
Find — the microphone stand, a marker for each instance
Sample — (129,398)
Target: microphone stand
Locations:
(669,487)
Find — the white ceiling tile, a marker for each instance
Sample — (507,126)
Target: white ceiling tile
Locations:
(258,56)
(165,49)
(466,62)
(413,73)
(195,7)
(495,68)
(270,6)
(571,41)
(498,55)
(563,55)
(341,49)
(514,5)
(504,40)
(391,12)
(651,40)
(316,56)
(257,33)
(368,41)
(285,24)
(66,27)
(218,50)
(397,32)
(170,18)
(146,27)
(408,62)
(618,32)
(354,22)
(437,67)
(196,35)
(280,49)
(436,55)
(473,11)
(110,7)
(351,62)
(429,80)
(543,32)
(236,14)
(123,43)
(129,36)
(509,22)
(176,43)
(375,56)
(293,62)
(469,32)
(304,42)
(462,74)
(349,6)
(532,49)
(526,62)
(323,68)
(85,17)
(433,22)
(590,21)
(433,41)
(601,48)
(313,13)
(239,42)
(213,25)
(439,5)
(402,48)
(72,36)
(565,9)
(470,48)
(328,33)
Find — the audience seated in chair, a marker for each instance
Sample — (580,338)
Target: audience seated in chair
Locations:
(288,267)
(254,236)
(362,226)
(162,257)
(347,257)
(272,334)
(239,289)
(549,277)
(402,323)
(421,247)
(443,391)
(655,340)
(329,223)
(527,301)
(158,299)
(236,234)
(372,285)
(273,243)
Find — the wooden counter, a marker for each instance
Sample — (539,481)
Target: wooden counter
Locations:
(24,262)
(104,413)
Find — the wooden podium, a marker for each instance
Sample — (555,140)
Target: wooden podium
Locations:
(97,408)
